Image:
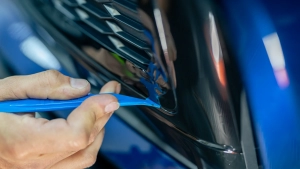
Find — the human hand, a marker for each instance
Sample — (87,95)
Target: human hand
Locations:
(37,143)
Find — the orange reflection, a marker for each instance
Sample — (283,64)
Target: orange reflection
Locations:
(221,71)
(213,42)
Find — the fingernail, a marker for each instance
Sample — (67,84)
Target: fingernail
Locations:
(111,107)
(78,83)
(118,88)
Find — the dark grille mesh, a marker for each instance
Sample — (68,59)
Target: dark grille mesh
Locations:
(114,24)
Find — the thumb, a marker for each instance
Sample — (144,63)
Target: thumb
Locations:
(48,84)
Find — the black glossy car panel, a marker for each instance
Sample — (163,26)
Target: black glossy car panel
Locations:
(197,117)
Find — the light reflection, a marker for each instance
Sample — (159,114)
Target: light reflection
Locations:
(216,51)
(36,51)
(276,57)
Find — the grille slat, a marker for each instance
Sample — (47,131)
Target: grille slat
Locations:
(102,14)
(121,50)
(94,22)
(102,1)
(116,31)
(71,2)
(128,25)
(127,37)
(127,4)
(102,27)
(66,10)
(138,43)
(121,18)
(127,8)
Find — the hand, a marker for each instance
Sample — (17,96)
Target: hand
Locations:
(27,142)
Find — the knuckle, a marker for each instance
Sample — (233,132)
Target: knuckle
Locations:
(92,103)
(46,79)
(51,80)
(111,97)
(95,131)
(52,75)
(80,141)
(14,152)
(106,99)
(89,159)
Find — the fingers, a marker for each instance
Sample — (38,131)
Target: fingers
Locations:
(27,114)
(25,140)
(111,87)
(99,125)
(74,133)
(86,120)
(16,135)
(29,137)
(48,84)
(25,137)
(83,158)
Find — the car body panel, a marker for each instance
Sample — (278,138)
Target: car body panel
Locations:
(271,79)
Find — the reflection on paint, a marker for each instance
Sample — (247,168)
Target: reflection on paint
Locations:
(128,150)
(216,51)
(276,57)
(36,51)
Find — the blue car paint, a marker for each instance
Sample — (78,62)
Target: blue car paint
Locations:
(274,109)
(151,157)
(14,30)
(119,147)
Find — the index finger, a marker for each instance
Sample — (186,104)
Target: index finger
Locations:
(49,84)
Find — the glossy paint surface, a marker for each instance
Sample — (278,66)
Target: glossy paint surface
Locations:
(120,148)
(116,147)
(204,113)
(21,47)
(264,38)
(203,125)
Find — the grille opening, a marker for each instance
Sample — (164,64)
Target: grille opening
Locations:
(108,29)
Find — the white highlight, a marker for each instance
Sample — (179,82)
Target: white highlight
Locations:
(161,31)
(81,14)
(36,51)
(274,50)
(276,57)
(80,2)
(114,27)
(116,42)
(112,11)
(215,42)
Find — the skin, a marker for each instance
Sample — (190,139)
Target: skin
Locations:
(36,143)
